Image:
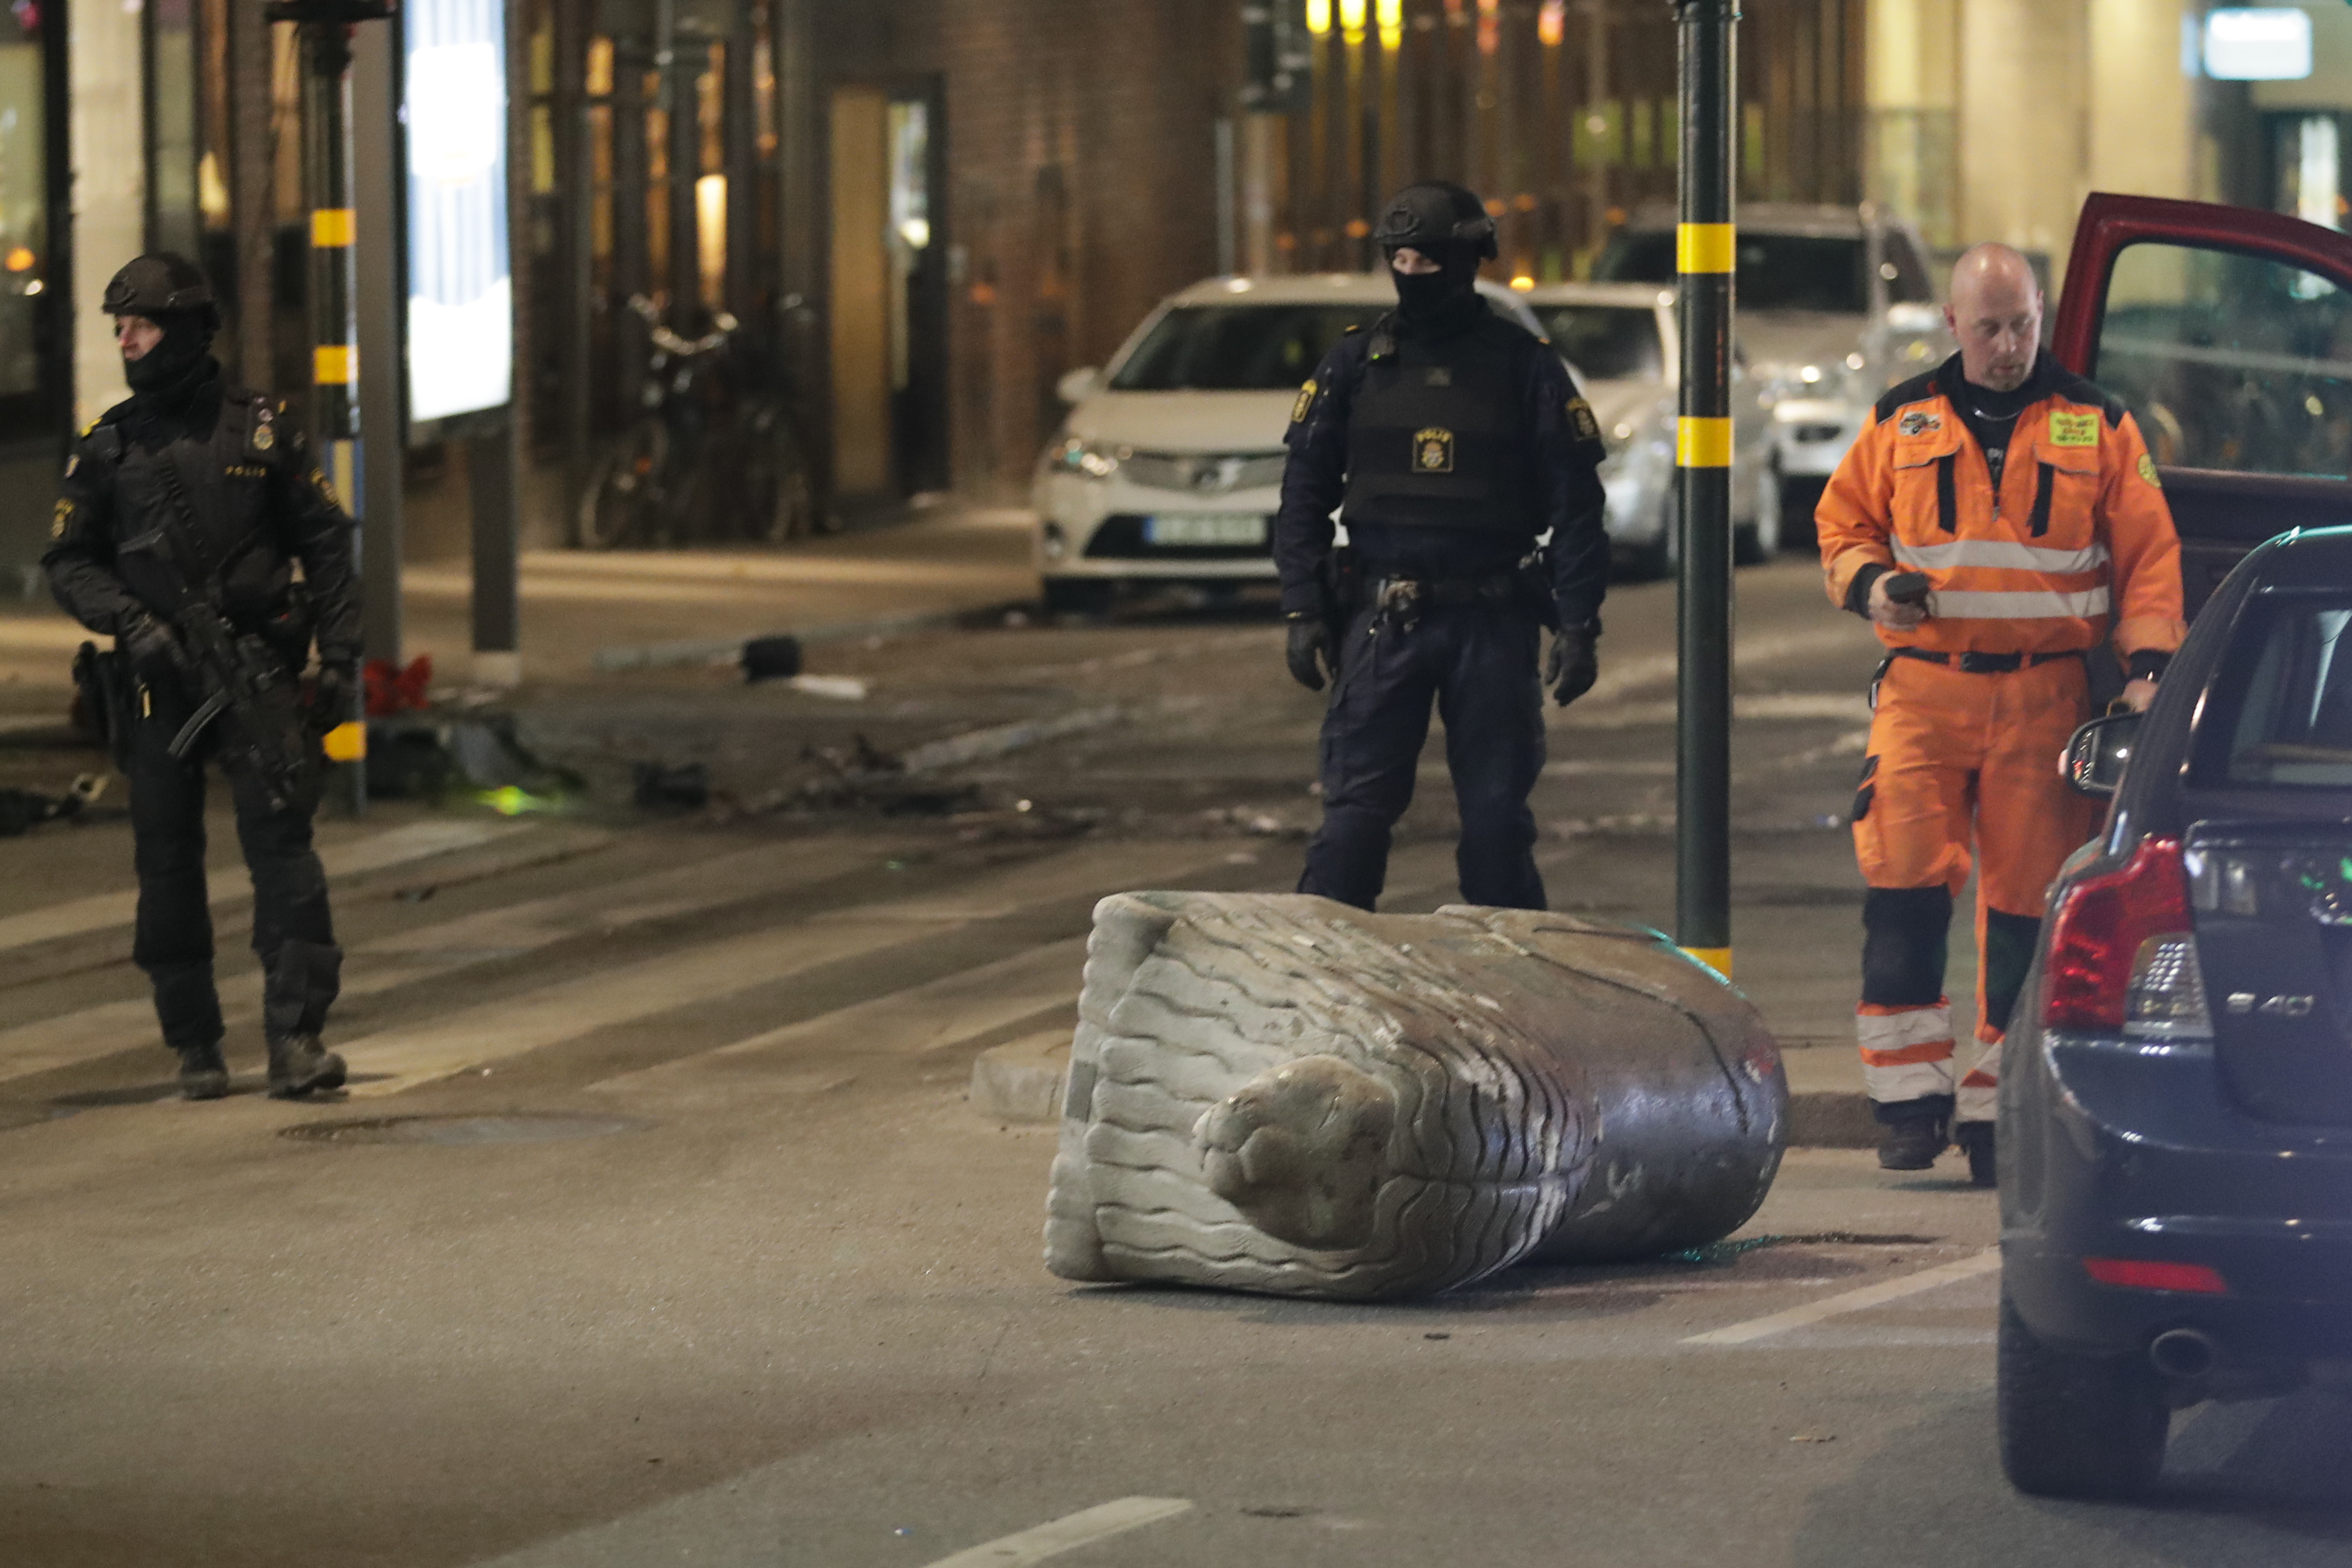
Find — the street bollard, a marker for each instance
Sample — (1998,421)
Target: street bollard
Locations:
(1281,1094)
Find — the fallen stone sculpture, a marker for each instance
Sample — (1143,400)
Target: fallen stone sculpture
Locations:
(1281,1094)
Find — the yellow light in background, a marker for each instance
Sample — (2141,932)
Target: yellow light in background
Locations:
(1319,16)
(21,259)
(1551,23)
(1523,283)
(710,231)
(1390,14)
(1351,20)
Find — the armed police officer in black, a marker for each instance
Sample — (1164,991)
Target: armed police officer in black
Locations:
(1449,440)
(185,510)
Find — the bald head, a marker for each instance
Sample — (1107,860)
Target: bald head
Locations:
(1995,315)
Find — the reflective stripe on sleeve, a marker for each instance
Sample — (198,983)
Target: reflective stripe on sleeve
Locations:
(2002,553)
(2022,605)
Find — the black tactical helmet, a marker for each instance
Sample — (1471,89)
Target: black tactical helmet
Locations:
(1435,214)
(159,284)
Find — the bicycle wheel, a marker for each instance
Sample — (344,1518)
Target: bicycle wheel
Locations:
(622,504)
(779,498)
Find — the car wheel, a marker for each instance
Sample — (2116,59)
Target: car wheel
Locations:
(1077,596)
(1760,540)
(2076,1426)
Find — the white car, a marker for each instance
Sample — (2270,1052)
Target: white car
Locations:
(1834,306)
(1168,467)
(1620,340)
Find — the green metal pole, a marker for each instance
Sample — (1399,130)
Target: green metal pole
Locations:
(1706,254)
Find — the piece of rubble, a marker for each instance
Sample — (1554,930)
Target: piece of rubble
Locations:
(1282,1093)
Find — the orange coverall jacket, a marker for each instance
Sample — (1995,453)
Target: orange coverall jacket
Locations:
(2077,533)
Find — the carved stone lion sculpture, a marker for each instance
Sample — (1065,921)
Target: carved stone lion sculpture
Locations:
(1281,1094)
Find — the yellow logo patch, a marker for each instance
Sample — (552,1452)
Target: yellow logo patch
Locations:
(247,471)
(1432,451)
(326,487)
(1306,401)
(2073,429)
(1579,413)
(60,519)
(2147,470)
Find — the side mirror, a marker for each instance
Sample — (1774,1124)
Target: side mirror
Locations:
(1075,385)
(2097,753)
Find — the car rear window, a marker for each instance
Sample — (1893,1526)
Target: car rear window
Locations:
(1238,347)
(1606,342)
(2281,715)
(1776,271)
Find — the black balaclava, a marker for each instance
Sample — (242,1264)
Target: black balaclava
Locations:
(175,366)
(1449,224)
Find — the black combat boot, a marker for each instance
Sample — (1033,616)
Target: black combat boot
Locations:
(299,1065)
(1975,1139)
(1911,1144)
(203,1074)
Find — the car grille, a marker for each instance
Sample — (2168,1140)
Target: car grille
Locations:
(1120,537)
(1203,473)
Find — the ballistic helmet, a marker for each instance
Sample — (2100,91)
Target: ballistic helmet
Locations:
(157,285)
(1431,217)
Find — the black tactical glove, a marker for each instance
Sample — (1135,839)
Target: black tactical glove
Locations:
(330,696)
(1571,667)
(150,648)
(1309,653)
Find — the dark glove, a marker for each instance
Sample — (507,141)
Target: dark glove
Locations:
(1907,587)
(152,649)
(1309,651)
(330,696)
(1571,666)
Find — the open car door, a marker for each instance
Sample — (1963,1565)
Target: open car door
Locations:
(2227,333)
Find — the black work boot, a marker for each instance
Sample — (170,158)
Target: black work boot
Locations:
(203,1074)
(299,1065)
(1911,1144)
(1975,1139)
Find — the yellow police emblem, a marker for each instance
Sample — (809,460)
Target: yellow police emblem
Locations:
(72,463)
(264,438)
(1579,413)
(1306,401)
(59,519)
(2147,470)
(1432,451)
(2073,429)
(325,485)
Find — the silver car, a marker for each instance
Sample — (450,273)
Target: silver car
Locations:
(1619,339)
(1835,306)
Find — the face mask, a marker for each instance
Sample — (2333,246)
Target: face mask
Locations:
(1422,295)
(184,342)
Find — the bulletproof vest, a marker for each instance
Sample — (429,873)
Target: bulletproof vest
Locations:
(225,478)
(1436,433)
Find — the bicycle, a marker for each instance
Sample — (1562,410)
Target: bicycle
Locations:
(704,459)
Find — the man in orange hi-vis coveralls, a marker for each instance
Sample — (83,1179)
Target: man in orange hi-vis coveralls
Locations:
(2025,499)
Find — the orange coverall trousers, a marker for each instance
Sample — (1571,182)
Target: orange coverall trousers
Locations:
(1958,762)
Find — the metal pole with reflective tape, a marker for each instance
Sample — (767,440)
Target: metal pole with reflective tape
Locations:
(1706,252)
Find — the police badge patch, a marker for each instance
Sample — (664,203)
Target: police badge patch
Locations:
(1580,415)
(1432,451)
(1919,421)
(1306,402)
(59,519)
(2147,470)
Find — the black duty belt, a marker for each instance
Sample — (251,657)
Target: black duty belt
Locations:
(1400,600)
(1985,663)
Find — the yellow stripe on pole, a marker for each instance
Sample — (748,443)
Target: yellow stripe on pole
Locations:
(1705,247)
(1716,959)
(331,227)
(331,365)
(1703,443)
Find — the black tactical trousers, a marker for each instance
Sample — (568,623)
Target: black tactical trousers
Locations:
(292,932)
(1477,662)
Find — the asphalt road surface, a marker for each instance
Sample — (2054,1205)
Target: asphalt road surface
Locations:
(656,1227)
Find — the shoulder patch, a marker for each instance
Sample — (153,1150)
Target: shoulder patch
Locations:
(60,519)
(2073,427)
(1919,422)
(2147,470)
(1305,402)
(1580,415)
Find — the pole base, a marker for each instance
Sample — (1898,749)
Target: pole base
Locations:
(500,669)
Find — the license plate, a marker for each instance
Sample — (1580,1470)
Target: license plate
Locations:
(1205,529)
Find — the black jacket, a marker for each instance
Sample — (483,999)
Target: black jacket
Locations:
(1563,445)
(259,502)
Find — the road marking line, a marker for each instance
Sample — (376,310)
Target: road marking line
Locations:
(403,956)
(1060,1535)
(401,845)
(1869,1296)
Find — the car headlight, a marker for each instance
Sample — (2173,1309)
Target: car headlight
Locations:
(1085,459)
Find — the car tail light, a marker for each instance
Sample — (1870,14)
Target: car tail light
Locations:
(2122,951)
(2137,1274)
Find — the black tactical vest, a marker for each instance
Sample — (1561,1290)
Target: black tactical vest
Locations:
(1437,432)
(225,481)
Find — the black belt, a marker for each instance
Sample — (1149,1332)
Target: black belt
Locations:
(1985,663)
(1447,590)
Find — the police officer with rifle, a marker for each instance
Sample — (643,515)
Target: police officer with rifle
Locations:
(1449,440)
(185,510)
